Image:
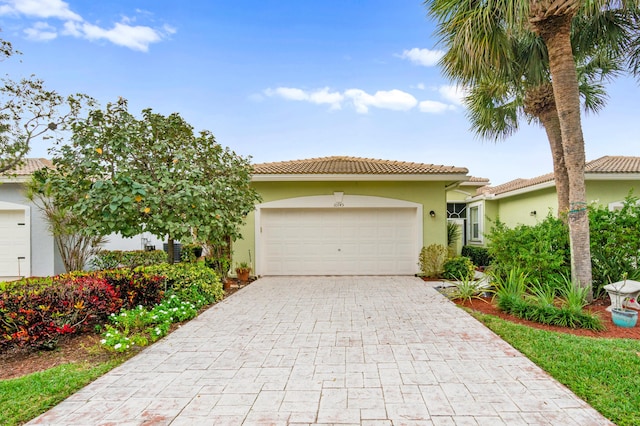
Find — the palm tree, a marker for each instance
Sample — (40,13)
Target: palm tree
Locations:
(480,31)
(496,106)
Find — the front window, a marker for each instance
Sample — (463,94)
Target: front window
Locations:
(475,223)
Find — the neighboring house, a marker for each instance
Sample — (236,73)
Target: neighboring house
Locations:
(345,216)
(608,180)
(26,245)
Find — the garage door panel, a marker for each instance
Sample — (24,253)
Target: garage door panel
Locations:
(14,243)
(339,241)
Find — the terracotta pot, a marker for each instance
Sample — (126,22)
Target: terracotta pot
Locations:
(243,275)
(226,285)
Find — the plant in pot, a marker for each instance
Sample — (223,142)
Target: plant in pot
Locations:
(623,317)
(242,271)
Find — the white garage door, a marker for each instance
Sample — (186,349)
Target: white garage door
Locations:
(339,241)
(14,244)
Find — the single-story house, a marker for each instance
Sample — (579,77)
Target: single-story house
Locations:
(345,216)
(608,179)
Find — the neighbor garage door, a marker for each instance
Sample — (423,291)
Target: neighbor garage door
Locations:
(339,241)
(14,244)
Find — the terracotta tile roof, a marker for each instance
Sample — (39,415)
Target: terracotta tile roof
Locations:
(614,164)
(476,181)
(30,165)
(606,164)
(352,165)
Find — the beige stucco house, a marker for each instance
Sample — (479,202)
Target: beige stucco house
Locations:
(345,216)
(608,180)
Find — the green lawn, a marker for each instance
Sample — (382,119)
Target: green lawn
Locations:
(603,372)
(25,398)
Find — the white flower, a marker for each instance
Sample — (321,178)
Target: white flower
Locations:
(117,346)
(103,341)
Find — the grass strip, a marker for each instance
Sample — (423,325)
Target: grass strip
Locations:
(25,398)
(603,372)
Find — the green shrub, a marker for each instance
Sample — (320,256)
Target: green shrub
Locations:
(458,268)
(615,242)
(466,290)
(432,260)
(112,259)
(509,288)
(187,280)
(190,252)
(542,304)
(478,255)
(541,251)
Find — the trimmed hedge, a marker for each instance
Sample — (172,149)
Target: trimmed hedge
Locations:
(112,259)
(479,255)
(186,278)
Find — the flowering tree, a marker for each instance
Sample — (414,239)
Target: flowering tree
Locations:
(151,174)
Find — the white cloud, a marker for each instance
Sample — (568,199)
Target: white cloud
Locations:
(41,31)
(134,37)
(434,107)
(320,96)
(424,57)
(393,99)
(454,94)
(324,96)
(123,33)
(39,9)
(361,101)
(288,93)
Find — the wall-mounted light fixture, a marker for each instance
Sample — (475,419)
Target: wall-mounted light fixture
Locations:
(432,213)
(533,213)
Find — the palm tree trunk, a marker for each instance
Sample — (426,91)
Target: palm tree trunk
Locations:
(555,32)
(551,123)
(540,103)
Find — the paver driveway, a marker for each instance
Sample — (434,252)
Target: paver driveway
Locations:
(328,350)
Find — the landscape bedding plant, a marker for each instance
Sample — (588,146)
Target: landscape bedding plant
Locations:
(140,326)
(35,312)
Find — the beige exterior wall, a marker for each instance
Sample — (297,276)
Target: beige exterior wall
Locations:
(610,191)
(517,210)
(430,194)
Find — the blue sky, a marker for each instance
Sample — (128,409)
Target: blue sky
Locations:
(284,80)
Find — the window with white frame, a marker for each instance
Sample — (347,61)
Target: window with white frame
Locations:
(475,222)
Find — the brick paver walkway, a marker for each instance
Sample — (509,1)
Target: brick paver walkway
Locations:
(328,350)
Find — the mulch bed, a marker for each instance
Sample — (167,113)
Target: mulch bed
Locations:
(599,307)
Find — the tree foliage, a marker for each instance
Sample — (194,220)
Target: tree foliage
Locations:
(128,175)
(29,111)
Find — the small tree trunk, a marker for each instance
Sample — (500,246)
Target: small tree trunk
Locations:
(540,102)
(170,250)
(551,124)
